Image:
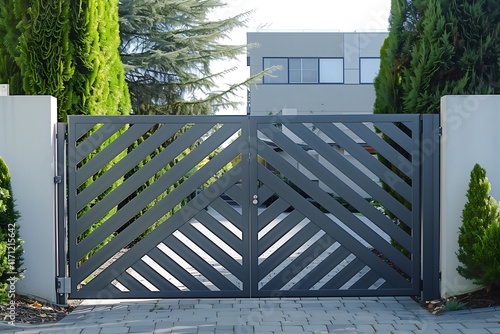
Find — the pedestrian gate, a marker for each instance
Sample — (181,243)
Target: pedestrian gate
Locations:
(243,206)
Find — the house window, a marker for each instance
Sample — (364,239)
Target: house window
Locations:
(368,70)
(331,70)
(305,70)
(279,75)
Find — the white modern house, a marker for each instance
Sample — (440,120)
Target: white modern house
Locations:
(321,72)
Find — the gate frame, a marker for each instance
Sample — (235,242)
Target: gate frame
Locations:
(429,145)
(62,280)
(430,206)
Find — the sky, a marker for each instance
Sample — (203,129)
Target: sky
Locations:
(286,15)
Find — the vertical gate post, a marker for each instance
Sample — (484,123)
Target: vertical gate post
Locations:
(62,238)
(430,207)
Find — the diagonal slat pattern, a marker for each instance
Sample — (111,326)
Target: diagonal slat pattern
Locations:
(349,267)
(244,206)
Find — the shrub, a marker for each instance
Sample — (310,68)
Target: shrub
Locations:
(9,233)
(479,234)
(453,305)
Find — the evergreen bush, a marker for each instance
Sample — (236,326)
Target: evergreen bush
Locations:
(9,234)
(479,235)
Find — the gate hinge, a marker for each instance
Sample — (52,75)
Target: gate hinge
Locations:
(440,131)
(58,179)
(63,284)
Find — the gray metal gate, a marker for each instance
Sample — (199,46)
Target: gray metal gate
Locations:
(238,206)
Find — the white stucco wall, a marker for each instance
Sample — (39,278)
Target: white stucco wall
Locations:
(471,134)
(27,144)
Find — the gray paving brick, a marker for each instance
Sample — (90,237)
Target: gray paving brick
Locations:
(315,328)
(267,328)
(320,322)
(383,327)
(341,328)
(292,329)
(475,331)
(114,329)
(364,328)
(142,329)
(455,326)
(95,330)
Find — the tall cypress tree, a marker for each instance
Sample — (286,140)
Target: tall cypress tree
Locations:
(9,37)
(167,48)
(438,48)
(66,49)
(395,56)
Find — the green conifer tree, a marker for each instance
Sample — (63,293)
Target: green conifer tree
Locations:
(438,48)
(66,49)
(475,250)
(9,233)
(167,48)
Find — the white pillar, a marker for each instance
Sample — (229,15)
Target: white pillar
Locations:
(470,134)
(27,145)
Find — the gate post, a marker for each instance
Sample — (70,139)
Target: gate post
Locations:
(430,224)
(61,221)
(27,144)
